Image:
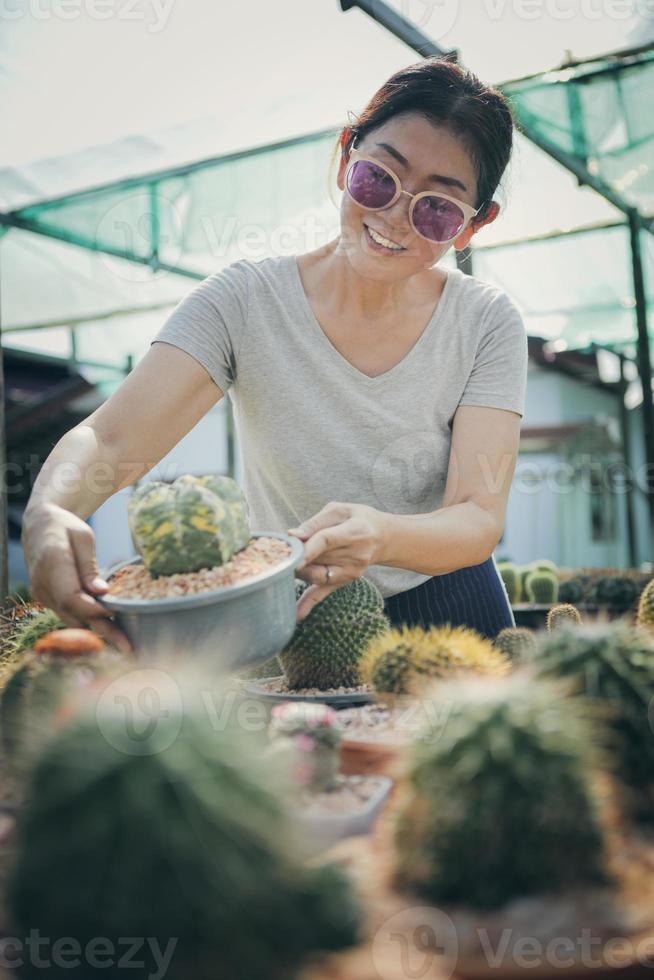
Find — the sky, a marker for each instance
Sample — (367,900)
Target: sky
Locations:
(82,73)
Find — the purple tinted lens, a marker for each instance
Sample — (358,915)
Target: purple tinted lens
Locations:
(369,185)
(437,219)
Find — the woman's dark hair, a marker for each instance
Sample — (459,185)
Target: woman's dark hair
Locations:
(448,95)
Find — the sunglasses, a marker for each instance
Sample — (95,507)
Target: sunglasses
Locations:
(373,186)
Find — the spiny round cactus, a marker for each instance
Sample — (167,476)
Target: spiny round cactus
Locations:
(269,668)
(542,587)
(499,804)
(572,590)
(511,578)
(392,660)
(192,523)
(179,836)
(398,662)
(327,645)
(564,614)
(615,590)
(516,642)
(614,664)
(544,565)
(36,622)
(62,661)
(311,731)
(645,616)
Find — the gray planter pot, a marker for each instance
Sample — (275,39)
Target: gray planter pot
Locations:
(236,626)
(317,832)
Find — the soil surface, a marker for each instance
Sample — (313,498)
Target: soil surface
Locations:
(398,724)
(261,554)
(279,685)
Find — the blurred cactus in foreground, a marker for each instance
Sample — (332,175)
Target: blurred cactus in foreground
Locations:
(499,803)
(177,833)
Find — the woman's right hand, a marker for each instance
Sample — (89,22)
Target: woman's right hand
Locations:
(64,576)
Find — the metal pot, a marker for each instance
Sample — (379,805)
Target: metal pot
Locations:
(237,626)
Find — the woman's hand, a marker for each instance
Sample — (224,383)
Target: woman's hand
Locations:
(344,538)
(60,552)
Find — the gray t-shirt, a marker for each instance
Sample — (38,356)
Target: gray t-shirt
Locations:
(312,428)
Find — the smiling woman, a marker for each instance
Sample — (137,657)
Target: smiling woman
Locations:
(377,397)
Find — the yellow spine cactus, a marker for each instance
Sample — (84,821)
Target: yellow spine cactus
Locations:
(645,615)
(398,661)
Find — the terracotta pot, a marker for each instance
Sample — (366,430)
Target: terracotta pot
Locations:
(371,758)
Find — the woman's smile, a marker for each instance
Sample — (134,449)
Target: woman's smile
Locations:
(379,243)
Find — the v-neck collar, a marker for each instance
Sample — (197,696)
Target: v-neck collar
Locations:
(411,354)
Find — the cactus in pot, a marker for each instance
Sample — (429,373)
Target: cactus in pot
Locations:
(192,523)
(564,614)
(499,803)
(571,590)
(37,622)
(327,645)
(62,662)
(544,565)
(645,616)
(542,587)
(181,837)
(399,662)
(613,663)
(310,731)
(517,643)
(615,590)
(511,578)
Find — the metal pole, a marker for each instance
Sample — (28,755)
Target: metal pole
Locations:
(400,27)
(644,364)
(626,454)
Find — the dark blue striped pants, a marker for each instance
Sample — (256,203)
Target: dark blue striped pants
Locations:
(473,596)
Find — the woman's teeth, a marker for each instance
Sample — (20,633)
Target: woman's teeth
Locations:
(383,241)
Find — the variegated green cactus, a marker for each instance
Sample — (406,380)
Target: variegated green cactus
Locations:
(192,523)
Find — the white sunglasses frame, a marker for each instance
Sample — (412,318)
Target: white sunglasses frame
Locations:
(468,212)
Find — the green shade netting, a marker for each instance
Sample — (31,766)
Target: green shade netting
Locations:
(600,112)
(204,218)
(577,288)
(110,263)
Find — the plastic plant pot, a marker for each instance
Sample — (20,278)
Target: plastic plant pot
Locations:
(236,626)
(318,832)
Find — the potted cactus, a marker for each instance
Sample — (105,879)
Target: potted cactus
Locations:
(516,643)
(322,658)
(535,590)
(612,663)
(645,616)
(202,583)
(63,662)
(609,592)
(179,837)
(396,666)
(473,830)
(330,805)
(565,614)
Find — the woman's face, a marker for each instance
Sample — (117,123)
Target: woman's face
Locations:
(429,150)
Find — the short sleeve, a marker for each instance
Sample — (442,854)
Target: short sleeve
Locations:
(499,374)
(210,321)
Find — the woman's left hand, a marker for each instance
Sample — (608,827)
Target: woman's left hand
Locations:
(344,538)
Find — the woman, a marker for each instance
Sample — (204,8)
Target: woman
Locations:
(377,397)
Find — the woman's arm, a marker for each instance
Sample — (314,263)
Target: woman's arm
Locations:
(156,405)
